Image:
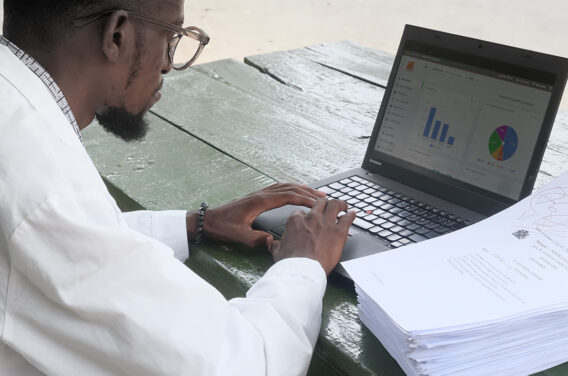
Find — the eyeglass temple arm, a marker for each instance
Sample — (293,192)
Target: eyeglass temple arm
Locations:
(190,32)
(198,35)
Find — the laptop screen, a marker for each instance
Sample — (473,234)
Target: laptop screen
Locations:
(472,120)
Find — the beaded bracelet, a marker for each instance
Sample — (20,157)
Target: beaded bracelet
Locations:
(199,223)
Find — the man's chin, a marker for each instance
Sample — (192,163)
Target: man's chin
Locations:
(123,124)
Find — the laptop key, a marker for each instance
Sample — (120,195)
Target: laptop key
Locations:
(336,194)
(406,233)
(396,244)
(384,233)
(393,237)
(422,231)
(326,189)
(375,230)
(431,234)
(442,230)
(413,217)
(396,210)
(386,206)
(363,224)
(412,226)
(411,208)
(396,219)
(422,221)
(396,229)
(417,238)
(379,221)
(404,214)
(403,222)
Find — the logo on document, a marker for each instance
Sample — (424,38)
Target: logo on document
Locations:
(521,234)
(410,66)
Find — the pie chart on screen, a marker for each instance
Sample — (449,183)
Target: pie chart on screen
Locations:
(503,143)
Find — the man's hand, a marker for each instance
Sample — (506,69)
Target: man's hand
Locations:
(318,235)
(232,221)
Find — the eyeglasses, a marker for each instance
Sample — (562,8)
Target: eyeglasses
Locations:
(183,49)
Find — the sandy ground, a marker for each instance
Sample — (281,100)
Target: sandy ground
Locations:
(247,27)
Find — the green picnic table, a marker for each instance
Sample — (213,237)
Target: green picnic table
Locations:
(227,128)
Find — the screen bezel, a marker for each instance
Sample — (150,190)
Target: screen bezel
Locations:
(474,198)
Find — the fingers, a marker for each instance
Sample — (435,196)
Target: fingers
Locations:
(347,219)
(319,206)
(298,188)
(274,200)
(334,207)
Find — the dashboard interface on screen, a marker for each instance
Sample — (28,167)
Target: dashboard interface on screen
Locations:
(468,122)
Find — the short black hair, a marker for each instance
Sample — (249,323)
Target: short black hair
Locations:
(46,22)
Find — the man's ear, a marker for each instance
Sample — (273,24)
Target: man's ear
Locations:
(114,35)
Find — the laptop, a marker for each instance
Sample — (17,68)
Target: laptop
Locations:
(460,135)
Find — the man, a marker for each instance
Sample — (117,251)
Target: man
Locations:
(82,289)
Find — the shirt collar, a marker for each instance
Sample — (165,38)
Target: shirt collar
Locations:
(48,81)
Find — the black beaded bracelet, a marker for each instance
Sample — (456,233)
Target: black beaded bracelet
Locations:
(199,223)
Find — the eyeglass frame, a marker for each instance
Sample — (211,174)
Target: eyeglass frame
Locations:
(192,32)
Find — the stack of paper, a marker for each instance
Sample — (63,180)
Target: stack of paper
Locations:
(491,299)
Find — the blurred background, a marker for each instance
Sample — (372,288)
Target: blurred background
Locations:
(247,27)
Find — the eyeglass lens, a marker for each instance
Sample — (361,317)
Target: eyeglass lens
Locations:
(183,49)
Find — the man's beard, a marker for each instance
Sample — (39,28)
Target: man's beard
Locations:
(123,124)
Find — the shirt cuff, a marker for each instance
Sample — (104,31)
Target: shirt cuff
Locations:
(300,267)
(167,226)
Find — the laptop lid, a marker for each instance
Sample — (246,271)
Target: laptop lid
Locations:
(466,120)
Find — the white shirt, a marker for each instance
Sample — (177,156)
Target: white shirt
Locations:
(82,292)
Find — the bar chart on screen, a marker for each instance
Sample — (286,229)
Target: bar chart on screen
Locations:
(435,133)
(445,119)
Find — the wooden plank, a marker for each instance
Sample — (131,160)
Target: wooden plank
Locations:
(169,169)
(272,126)
(350,58)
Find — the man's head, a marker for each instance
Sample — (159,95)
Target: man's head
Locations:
(110,67)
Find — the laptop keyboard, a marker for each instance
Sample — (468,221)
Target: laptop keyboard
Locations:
(391,216)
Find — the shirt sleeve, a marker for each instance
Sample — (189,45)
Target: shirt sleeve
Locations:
(167,226)
(88,295)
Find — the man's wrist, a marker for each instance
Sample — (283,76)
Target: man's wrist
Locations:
(191,225)
(195,224)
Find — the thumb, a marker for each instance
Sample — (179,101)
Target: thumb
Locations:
(273,246)
(257,238)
